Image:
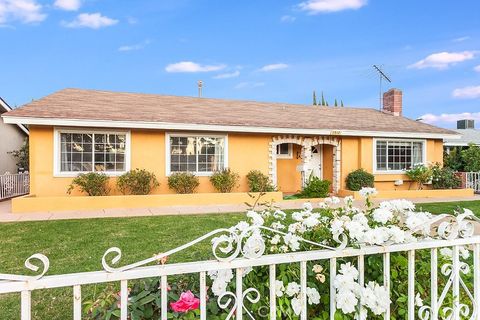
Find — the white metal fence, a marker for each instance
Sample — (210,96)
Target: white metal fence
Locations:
(454,271)
(13,185)
(473,181)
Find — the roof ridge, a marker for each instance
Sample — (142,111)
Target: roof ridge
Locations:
(215,99)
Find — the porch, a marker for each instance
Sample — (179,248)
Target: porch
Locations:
(294,159)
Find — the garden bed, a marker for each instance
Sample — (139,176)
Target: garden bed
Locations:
(395,194)
(31,203)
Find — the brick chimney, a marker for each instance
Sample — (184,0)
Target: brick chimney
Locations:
(392,102)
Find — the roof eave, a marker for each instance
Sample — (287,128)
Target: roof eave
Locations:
(219,128)
(7,108)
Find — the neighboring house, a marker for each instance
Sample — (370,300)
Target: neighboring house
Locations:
(469,135)
(12,138)
(73,131)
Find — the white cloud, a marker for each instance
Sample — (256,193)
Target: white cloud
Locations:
(461,39)
(248,85)
(442,60)
(471,92)
(477,68)
(68,5)
(25,11)
(287,18)
(134,47)
(90,20)
(449,117)
(326,6)
(272,67)
(227,75)
(189,66)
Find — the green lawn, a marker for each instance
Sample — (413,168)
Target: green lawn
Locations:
(78,245)
(449,207)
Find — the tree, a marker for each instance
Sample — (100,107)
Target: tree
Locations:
(471,158)
(453,159)
(323,102)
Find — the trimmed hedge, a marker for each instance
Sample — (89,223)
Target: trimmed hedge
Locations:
(358,179)
(259,182)
(183,182)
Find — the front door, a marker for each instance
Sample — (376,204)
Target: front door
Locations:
(316,162)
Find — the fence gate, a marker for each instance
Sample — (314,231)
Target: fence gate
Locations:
(13,185)
(473,181)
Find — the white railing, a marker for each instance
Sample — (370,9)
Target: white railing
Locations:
(456,235)
(14,185)
(473,181)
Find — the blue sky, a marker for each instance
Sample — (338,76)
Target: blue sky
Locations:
(257,50)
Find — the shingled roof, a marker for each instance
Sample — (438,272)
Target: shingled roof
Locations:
(119,109)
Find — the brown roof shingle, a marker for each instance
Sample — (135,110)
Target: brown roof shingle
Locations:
(119,106)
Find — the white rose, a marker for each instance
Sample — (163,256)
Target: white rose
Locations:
(296,306)
(293,288)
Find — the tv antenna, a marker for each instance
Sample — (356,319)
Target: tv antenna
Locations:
(382,76)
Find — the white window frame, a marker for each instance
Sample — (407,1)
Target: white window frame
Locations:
(285,156)
(375,140)
(57,154)
(186,134)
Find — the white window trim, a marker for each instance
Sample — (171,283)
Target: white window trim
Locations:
(375,140)
(56,151)
(186,134)
(285,156)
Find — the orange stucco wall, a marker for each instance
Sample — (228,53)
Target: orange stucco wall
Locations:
(357,152)
(289,180)
(327,170)
(245,152)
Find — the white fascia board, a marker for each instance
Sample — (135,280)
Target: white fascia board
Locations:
(7,108)
(219,128)
(458,144)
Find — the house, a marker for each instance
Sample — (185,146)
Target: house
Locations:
(74,130)
(469,135)
(12,137)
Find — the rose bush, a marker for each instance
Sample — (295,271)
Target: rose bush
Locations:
(337,223)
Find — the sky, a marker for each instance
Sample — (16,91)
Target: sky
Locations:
(266,50)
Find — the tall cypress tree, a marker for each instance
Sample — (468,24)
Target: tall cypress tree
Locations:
(314,98)
(323,100)
(336,104)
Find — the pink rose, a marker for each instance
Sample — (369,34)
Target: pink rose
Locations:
(186,302)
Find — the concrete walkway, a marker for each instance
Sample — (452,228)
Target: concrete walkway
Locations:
(7,216)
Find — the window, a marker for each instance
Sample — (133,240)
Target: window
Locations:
(197,154)
(91,151)
(284,151)
(398,155)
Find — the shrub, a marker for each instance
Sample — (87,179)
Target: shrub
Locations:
(225,180)
(138,181)
(453,159)
(444,178)
(259,182)
(92,183)
(22,156)
(183,182)
(420,174)
(329,224)
(315,188)
(471,158)
(358,179)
